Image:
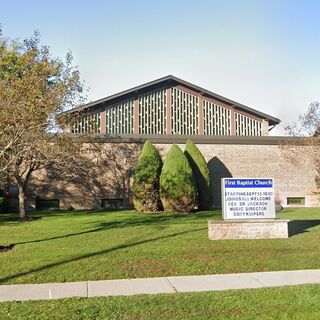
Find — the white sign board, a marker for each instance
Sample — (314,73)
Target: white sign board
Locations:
(247,198)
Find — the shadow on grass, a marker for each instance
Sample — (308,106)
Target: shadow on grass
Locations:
(14,217)
(94,254)
(135,221)
(301,226)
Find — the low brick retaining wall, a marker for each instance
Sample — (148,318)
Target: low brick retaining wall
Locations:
(248,229)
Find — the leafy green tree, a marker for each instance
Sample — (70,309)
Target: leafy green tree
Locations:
(201,173)
(34,88)
(178,190)
(146,197)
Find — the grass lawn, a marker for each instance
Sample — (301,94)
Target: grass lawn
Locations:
(110,245)
(301,302)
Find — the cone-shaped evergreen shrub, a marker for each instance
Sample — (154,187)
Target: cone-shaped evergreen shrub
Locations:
(178,190)
(146,197)
(201,173)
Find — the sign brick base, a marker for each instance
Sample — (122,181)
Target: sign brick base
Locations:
(248,229)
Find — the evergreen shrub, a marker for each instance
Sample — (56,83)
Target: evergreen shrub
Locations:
(146,197)
(201,173)
(178,190)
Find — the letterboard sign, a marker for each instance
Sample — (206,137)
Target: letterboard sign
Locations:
(247,198)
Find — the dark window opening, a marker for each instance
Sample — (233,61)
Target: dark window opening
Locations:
(296,201)
(112,204)
(48,204)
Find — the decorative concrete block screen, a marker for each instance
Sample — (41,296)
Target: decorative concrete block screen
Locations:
(246,126)
(89,123)
(119,118)
(217,120)
(169,110)
(153,112)
(184,113)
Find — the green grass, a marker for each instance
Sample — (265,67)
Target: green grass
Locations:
(301,302)
(110,245)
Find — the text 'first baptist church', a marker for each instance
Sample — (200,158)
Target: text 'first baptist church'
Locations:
(248,183)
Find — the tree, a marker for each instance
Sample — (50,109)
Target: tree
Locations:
(308,124)
(308,127)
(34,88)
(146,195)
(178,190)
(201,173)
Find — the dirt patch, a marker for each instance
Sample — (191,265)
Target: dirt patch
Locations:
(6,248)
(28,218)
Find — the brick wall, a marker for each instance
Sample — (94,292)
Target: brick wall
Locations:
(292,168)
(112,165)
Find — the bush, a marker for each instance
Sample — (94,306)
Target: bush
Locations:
(178,188)
(146,197)
(201,173)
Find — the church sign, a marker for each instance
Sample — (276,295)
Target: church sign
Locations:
(247,198)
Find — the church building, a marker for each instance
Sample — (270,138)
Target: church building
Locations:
(234,139)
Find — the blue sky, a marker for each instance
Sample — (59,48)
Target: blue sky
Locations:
(264,54)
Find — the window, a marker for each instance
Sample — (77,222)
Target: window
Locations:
(112,204)
(88,123)
(153,112)
(246,126)
(296,201)
(217,120)
(119,118)
(184,113)
(47,204)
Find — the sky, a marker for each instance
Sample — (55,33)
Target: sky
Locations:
(264,54)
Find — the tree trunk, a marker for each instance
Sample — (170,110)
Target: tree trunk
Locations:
(22,202)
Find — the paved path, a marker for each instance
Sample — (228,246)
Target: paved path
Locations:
(157,285)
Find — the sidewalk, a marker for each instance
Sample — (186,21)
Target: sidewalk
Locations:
(157,285)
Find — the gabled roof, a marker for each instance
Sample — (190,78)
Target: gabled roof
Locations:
(172,79)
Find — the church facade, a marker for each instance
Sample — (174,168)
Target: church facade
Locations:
(233,138)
